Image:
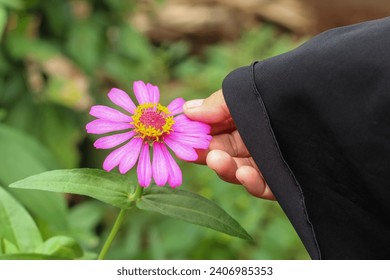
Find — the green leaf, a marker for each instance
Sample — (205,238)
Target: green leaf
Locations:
(13,87)
(55,126)
(62,247)
(105,186)
(191,208)
(7,247)
(134,45)
(59,131)
(58,16)
(22,156)
(21,47)
(83,220)
(15,4)
(50,207)
(3,19)
(16,225)
(29,257)
(84,44)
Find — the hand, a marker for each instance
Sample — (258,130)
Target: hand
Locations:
(227,154)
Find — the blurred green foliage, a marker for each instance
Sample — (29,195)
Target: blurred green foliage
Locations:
(59,57)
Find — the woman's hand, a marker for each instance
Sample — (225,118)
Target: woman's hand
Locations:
(227,154)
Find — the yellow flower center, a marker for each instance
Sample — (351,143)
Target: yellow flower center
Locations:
(152,121)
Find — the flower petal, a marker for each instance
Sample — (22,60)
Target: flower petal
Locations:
(154,93)
(197,141)
(182,151)
(131,151)
(144,168)
(176,106)
(175,177)
(113,159)
(112,141)
(109,114)
(122,99)
(141,92)
(184,124)
(102,126)
(159,165)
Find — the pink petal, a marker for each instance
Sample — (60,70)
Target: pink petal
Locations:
(187,134)
(154,92)
(184,124)
(122,99)
(182,151)
(144,168)
(176,106)
(112,141)
(159,165)
(196,141)
(102,126)
(113,159)
(175,177)
(109,114)
(131,151)
(141,92)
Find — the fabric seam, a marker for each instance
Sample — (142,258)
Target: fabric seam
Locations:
(275,143)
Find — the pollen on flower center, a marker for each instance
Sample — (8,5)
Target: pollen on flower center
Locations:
(152,121)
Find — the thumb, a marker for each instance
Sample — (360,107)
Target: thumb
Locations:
(210,110)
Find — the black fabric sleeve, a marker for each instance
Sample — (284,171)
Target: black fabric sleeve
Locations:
(317,122)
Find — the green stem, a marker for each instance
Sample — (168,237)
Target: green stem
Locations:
(136,194)
(112,234)
(118,222)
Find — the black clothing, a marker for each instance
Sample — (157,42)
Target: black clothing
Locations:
(317,122)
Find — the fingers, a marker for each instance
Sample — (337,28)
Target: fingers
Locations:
(231,143)
(227,154)
(212,110)
(239,171)
(226,126)
(254,183)
(224,165)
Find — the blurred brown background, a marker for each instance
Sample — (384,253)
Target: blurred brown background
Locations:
(209,21)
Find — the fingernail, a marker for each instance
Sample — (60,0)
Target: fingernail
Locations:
(193,103)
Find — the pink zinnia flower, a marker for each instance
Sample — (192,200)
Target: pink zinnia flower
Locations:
(148,125)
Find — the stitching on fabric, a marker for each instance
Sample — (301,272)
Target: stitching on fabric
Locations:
(303,205)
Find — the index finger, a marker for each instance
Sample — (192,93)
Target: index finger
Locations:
(211,110)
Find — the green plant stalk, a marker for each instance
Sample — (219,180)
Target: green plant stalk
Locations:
(111,236)
(118,222)
(136,194)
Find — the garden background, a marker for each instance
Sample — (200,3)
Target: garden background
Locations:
(57,58)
